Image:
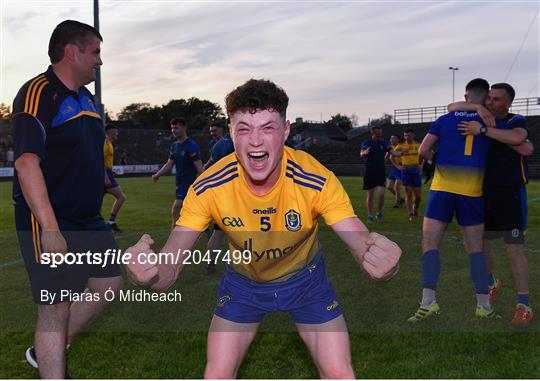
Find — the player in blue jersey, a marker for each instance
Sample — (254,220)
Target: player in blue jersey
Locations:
(456,189)
(504,189)
(220,149)
(374,150)
(58,189)
(185,155)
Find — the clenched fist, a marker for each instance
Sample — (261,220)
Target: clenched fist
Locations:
(141,273)
(381,259)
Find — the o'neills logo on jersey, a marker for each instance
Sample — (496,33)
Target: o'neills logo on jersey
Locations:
(269,210)
(293,221)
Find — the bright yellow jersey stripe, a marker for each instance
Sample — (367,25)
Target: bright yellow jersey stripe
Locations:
(38,95)
(35,238)
(468,145)
(87,113)
(30,92)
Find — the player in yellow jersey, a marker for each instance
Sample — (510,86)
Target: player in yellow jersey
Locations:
(394,178)
(111,186)
(267,199)
(410,173)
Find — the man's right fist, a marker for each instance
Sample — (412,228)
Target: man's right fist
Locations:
(155,177)
(141,273)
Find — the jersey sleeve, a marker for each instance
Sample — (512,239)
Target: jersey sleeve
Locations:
(194,152)
(364,144)
(33,111)
(335,204)
(171,152)
(519,121)
(435,128)
(195,214)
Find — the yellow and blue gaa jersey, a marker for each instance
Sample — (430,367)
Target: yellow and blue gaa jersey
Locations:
(280,227)
(410,158)
(461,159)
(108,153)
(397,159)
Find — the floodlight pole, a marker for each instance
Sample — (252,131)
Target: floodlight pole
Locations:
(97,83)
(453,82)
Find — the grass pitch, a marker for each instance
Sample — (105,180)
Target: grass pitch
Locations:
(168,340)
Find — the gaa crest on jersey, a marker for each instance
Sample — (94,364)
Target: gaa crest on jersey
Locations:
(293,222)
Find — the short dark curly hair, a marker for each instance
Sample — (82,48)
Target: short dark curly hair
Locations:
(256,95)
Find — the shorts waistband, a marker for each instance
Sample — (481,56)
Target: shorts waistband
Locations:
(317,262)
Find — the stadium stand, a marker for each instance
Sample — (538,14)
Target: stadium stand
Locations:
(151,146)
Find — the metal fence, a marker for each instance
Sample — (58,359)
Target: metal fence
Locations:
(524,106)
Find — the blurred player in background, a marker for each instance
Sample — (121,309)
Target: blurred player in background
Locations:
(504,188)
(410,173)
(111,186)
(394,178)
(185,155)
(220,149)
(456,189)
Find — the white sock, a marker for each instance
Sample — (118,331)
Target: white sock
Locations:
(428,297)
(483,300)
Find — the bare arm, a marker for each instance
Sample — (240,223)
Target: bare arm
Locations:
(364,152)
(524,149)
(165,169)
(425,151)
(36,196)
(513,137)
(377,255)
(482,112)
(198,166)
(161,276)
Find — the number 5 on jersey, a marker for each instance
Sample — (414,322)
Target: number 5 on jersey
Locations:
(265,223)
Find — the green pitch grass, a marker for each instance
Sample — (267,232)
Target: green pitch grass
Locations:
(168,340)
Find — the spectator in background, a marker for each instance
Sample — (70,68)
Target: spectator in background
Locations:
(123,157)
(216,133)
(9,157)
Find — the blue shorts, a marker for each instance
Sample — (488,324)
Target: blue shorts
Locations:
(110,175)
(410,177)
(441,206)
(181,191)
(308,296)
(395,174)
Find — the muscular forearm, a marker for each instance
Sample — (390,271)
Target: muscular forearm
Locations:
(513,137)
(524,149)
(354,234)
(180,241)
(35,191)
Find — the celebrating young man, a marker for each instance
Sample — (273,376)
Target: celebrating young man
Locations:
(267,199)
